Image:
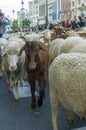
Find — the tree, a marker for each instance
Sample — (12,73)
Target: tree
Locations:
(26,23)
(15,25)
(23,24)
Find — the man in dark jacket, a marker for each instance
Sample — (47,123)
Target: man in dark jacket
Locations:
(73,24)
(80,22)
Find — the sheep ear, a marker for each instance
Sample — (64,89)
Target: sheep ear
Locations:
(21,50)
(4,53)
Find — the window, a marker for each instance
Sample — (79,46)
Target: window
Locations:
(73,3)
(42,10)
(79,1)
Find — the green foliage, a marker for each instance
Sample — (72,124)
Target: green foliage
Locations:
(15,25)
(26,23)
(23,24)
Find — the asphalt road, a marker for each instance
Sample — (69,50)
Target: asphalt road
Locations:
(19,115)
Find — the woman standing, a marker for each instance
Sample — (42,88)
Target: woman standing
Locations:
(1,23)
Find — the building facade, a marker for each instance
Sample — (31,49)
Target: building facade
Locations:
(52,11)
(78,8)
(65,10)
(42,12)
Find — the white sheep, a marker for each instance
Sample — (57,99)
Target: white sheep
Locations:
(13,64)
(60,46)
(55,48)
(3,42)
(67,80)
(70,42)
(81,47)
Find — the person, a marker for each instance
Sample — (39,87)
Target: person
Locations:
(67,23)
(1,23)
(74,24)
(84,20)
(80,22)
(6,22)
(51,26)
(63,23)
(41,27)
(36,28)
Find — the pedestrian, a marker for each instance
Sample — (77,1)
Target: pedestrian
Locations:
(74,24)
(67,23)
(63,23)
(80,22)
(84,20)
(50,26)
(1,23)
(6,22)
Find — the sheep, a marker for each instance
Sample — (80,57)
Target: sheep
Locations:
(65,46)
(70,42)
(3,42)
(46,37)
(55,48)
(81,48)
(67,81)
(33,36)
(13,64)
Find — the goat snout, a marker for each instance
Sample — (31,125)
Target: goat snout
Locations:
(32,65)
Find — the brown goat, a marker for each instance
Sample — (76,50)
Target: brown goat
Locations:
(36,63)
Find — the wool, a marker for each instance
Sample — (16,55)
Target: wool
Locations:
(70,44)
(67,81)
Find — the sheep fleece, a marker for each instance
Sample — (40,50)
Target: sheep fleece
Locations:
(67,80)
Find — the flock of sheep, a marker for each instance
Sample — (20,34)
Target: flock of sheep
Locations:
(67,77)
(67,71)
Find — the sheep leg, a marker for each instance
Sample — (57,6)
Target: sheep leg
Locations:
(54,120)
(82,116)
(20,76)
(55,111)
(54,106)
(8,82)
(16,91)
(1,74)
(69,117)
(25,74)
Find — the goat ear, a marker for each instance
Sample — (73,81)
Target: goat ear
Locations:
(21,50)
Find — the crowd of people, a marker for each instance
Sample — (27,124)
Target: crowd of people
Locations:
(76,23)
(73,24)
(4,21)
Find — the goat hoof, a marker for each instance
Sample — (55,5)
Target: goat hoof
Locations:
(70,120)
(82,118)
(33,106)
(9,90)
(17,98)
